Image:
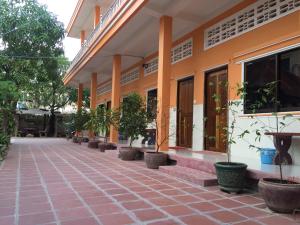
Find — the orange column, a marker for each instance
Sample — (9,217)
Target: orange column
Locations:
(82,37)
(79,96)
(115,93)
(97,16)
(93,94)
(163,81)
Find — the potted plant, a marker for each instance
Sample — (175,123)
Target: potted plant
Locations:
(133,123)
(69,125)
(106,119)
(281,195)
(92,125)
(231,175)
(81,118)
(155,159)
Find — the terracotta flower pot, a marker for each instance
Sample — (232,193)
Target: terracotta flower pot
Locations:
(107,146)
(93,144)
(128,153)
(280,197)
(155,159)
(75,139)
(231,176)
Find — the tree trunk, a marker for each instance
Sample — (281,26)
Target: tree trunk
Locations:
(51,123)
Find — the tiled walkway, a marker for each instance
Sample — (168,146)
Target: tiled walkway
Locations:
(52,181)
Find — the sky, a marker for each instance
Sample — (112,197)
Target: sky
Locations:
(63,9)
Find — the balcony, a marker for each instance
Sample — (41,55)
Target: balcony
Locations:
(105,20)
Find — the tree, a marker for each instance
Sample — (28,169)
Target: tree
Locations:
(50,93)
(30,37)
(85,98)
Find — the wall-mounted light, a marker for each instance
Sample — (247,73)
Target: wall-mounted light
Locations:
(145,65)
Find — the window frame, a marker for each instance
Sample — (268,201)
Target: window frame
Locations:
(277,56)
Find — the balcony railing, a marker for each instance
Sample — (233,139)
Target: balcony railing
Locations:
(104,20)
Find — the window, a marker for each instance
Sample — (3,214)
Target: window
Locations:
(152,102)
(130,76)
(255,15)
(182,51)
(274,82)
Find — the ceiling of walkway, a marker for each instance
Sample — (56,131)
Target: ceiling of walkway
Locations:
(139,37)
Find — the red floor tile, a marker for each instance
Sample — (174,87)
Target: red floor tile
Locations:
(125,197)
(228,203)
(162,201)
(88,188)
(278,220)
(251,212)
(35,219)
(134,205)
(106,209)
(178,210)
(204,206)
(197,220)
(116,219)
(227,216)
(9,220)
(149,214)
(72,214)
(164,222)
(85,221)
(185,199)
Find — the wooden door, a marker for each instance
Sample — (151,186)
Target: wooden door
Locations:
(185,100)
(108,105)
(216,111)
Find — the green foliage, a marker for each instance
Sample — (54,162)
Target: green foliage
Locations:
(101,119)
(72,93)
(8,99)
(81,118)
(92,122)
(134,117)
(31,40)
(69,124)
(31,53)
(107,118)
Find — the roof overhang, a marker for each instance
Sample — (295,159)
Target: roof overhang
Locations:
(138,38)
(83,16)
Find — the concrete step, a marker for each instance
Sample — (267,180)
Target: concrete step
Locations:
(192,175)
(203,165)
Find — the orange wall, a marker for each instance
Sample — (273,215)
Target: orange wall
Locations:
(277,34)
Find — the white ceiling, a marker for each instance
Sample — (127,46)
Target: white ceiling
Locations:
(85,18)
(139,37)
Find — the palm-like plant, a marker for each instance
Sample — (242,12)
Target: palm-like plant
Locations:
(105,119)
(92,123)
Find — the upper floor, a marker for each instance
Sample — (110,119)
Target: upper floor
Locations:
(131,28)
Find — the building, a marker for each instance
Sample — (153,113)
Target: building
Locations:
(174,50)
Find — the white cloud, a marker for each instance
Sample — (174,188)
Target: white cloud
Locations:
(63,9)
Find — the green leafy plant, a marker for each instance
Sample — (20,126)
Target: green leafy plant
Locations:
(105,119)
(69,124)
(266,95)
(81,117)
(234,108)
(134,117)
(92,122)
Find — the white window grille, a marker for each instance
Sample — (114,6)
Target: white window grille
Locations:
(253,16)
(104,89)
(152,66)
(182,51)
(130,76)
